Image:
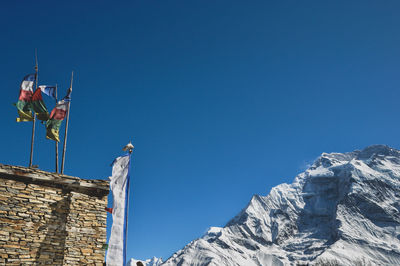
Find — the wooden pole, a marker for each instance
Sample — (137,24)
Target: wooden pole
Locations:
(66,127)
(34,115)
(56,141)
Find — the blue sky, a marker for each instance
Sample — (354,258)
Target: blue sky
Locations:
(222,99)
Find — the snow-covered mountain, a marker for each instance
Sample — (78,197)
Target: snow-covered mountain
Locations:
(149,262)
(345,207)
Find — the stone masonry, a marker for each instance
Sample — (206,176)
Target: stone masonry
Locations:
(51,219)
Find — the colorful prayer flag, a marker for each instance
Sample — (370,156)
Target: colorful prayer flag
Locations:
(25,97)
(48,90)
(57,115)
(38,106)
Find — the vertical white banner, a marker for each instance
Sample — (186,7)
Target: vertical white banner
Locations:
(119,183)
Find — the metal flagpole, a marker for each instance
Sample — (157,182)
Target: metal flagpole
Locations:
(56,141)
(66,127)
(34,114)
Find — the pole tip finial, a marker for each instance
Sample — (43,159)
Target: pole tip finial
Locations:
(128,147)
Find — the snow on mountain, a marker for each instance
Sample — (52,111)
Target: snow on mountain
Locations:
(149,262)
(344,207)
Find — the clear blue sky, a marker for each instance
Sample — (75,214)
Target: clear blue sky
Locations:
(222,99)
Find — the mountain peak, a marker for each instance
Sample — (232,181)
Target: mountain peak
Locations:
(378,150)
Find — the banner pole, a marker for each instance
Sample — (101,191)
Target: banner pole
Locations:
(127,203)
(66,128)
(34,114)
(56,141)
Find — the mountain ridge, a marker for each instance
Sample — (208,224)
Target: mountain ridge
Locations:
(343,207)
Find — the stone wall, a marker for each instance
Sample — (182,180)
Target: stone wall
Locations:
(51,219)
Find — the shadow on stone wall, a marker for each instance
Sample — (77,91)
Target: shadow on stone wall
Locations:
(51,250)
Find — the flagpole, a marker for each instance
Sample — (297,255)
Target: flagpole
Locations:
(66,128)
(34,114)
(127,203)
(56,141)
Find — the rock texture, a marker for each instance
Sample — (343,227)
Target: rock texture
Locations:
(51,219)
(345,207)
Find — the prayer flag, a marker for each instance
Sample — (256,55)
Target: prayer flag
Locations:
(38,106)
(25,97)
(119,184)
(57,115)
(48,90)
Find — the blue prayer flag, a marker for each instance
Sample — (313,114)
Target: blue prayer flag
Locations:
(48,90)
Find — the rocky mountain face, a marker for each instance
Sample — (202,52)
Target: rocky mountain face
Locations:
(345,207)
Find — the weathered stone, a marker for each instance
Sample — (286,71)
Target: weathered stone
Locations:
(51,219)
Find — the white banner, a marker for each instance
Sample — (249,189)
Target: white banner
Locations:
(116,254)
